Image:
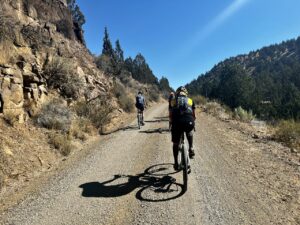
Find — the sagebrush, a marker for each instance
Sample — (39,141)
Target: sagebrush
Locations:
(55,115)
(243,115)
(288,132)
(60,74)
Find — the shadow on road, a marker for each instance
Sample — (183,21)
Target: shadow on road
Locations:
(155,185)
(120,129)
(156,130)
(157,120)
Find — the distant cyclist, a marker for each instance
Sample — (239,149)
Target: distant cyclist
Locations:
(171,97)
(140,103)
(182,118)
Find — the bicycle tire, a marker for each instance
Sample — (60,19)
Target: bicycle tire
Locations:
(184,168)
(139,121)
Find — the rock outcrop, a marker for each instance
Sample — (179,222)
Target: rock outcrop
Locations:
(32,34)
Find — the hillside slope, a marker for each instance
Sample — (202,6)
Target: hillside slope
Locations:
(52,94)
(266,81)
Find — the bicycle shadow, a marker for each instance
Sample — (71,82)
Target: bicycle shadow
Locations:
(157,120)
(156,130)
(161,185)
(120,129)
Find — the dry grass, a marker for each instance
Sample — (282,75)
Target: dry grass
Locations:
(61,142)
(124,100)
(288,132)
(10,118)
(199,99)
(7,52)
(80,128)
(214,108)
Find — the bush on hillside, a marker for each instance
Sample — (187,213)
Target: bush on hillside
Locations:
(61,142)
(55,115)
(154,95)
(243,115)
(98,111)
(125,102)
(60,74)
(199,99)
(288,132)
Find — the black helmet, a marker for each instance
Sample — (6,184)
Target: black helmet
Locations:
(140,92)
(182,91)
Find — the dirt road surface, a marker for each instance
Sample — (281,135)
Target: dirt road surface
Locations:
(128,179)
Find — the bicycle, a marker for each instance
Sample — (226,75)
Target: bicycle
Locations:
(184,161)
(140,118)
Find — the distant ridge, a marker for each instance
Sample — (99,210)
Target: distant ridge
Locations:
(270,75)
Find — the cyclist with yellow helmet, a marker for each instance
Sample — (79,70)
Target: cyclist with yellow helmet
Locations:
(182,118)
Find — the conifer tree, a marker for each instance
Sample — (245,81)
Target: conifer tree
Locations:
(107,46)
(119,52)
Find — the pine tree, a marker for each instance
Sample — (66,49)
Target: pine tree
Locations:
(77,15)
(107,46)
(119,52)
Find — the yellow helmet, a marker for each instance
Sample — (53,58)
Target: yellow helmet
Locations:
(181,91)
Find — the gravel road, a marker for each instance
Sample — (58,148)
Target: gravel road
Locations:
(128,179)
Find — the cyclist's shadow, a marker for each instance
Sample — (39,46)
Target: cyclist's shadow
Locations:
(162,184)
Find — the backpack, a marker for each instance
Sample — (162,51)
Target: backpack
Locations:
(182,103)
(140,100)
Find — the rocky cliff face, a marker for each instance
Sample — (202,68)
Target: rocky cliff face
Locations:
(32,34)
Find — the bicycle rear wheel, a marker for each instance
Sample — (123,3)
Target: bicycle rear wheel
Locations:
(139,120)
(184,164)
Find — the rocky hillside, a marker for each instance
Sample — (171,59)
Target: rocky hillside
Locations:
(52,94)
(33,34)
(266,81)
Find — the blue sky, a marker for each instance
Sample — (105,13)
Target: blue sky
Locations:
(183,39)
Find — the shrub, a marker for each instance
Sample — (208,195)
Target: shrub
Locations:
(79,127)
(243,115)
(126,103)
(55,115)
(61,142)
(60,74)
(118,90)
(199,100)
(85,125)
(98,111)
(213,108)
(288,132)
(153,95)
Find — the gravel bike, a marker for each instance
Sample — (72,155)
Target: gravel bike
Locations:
(184,161)
(140,118)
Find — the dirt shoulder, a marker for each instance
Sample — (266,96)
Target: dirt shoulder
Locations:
(270,171)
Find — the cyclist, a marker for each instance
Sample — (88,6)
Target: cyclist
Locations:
(140,104)
(171,97)
(182,118)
